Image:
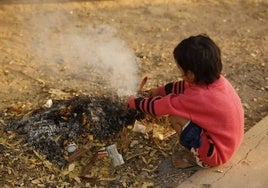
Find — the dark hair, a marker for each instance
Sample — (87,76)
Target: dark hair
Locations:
(200,55)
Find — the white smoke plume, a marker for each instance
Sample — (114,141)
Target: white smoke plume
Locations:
(92,54)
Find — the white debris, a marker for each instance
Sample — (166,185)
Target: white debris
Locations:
(49,103)
(140,128)
(115,157)
(71,147)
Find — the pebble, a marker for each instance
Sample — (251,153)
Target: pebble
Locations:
(6,72)
(246,105)
(143,173)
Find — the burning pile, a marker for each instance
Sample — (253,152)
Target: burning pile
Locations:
(49,129)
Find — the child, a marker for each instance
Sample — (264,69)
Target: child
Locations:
(204,107)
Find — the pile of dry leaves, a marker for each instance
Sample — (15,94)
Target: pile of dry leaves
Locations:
(64,143)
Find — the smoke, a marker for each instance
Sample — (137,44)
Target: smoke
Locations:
(68,48)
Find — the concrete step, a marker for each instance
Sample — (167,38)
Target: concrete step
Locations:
(247,169)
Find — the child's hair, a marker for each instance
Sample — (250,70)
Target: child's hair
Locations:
(200,55)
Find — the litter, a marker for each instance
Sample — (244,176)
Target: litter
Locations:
(115,157)
(71,147)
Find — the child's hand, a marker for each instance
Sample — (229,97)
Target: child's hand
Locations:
(153,92)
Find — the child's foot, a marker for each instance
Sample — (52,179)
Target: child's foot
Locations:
(182,159)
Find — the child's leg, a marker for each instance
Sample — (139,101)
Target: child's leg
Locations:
(192,137)
(206,153)
(178,123)
(198,160)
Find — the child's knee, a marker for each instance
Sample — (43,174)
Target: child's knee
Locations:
(191,136)
(177,123)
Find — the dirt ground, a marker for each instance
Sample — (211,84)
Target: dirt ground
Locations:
(150,29)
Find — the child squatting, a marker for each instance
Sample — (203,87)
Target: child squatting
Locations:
(204,108)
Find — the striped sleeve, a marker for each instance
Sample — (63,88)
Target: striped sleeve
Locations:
(175,87)
(158,105)
(146,105)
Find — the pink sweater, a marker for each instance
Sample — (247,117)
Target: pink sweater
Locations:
(216,108)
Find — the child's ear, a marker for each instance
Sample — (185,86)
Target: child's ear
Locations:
(190,76)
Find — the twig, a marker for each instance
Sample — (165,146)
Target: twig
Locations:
(143,82)
(136,155)
(77,154)
(90,164)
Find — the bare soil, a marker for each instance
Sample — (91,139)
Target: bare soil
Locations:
(150,29)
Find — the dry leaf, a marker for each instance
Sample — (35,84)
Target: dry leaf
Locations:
(162,132)
(77,179)
(47,164)
(90,137)
(58,94)
(71,167)
(147,184)
(57,138)
(219,171)
(36,181)
(38,155)
(65,172)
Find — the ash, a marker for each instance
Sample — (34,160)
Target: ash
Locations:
(47,130)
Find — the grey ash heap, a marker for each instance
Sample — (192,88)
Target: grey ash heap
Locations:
(70,119)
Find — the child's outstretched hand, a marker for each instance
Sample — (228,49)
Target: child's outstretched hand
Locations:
(153,92)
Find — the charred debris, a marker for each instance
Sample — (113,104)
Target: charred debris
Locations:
(48,130)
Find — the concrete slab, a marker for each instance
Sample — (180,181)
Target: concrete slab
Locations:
(248,168)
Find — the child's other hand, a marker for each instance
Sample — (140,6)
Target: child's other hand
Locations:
(153,92)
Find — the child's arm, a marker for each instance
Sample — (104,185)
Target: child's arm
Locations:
(173,87)
(153,105)
(158,103)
